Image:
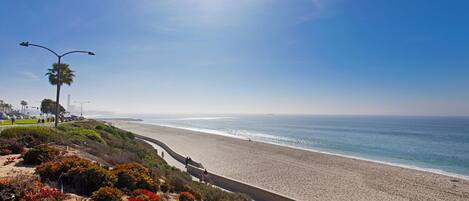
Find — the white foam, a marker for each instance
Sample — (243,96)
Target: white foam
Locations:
(197,118)
(209,131)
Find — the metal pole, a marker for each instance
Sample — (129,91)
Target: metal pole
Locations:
(59,80)
(59,83)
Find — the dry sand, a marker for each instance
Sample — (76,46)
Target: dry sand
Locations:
(304,175)
(14,168)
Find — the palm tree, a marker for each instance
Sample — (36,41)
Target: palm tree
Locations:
(23,106)
(7,107)
(65,77)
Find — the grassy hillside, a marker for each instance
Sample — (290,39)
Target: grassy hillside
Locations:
(125,165)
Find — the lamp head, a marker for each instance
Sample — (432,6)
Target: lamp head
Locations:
(91,53)
(25,44)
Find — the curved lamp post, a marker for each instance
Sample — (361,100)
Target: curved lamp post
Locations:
(59,83)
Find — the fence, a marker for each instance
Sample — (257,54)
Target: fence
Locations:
(196,170)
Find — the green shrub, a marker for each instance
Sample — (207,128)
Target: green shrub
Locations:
(164,187)
(80,174)
(99,127)
(87,180)
(30,136)
(209,193)
(10,146)
(117,133)
(75,130)
(85,133)
(178,181)
(134,176)
(107,194)
(40,154)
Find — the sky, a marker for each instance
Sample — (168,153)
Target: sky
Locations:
(372,57)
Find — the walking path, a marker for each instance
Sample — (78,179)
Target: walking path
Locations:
(168,158)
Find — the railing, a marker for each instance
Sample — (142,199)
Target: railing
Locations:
(168,150)
(196,170)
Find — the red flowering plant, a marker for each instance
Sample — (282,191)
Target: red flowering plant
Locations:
(185,196)
(9,160)
(45,193)
(144,195)
(136,199)
(5,152)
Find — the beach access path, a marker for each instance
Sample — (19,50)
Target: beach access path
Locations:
(304,175)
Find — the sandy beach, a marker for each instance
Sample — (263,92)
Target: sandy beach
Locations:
(304,175)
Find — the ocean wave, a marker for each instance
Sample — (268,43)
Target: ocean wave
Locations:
(240,134)
(196,118)
(293,143)
(202,130)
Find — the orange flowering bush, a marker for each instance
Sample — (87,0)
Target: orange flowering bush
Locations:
(4,183)
(185,196)
(82,175)
(107,194)
(134,176)
(52,170)
(40,154)
(144,195)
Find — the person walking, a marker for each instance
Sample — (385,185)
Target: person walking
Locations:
(205,177)
(162,154)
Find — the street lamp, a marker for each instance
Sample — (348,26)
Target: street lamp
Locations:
(81,106)
(59,83)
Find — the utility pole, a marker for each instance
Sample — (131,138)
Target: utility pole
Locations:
(81,106)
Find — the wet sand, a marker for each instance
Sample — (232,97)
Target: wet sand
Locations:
(301,174)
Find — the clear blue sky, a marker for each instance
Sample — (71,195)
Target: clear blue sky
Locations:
(394,57)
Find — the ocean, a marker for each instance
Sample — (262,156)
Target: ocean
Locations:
(436,144)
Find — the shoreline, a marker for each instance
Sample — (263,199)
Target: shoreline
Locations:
(412,167)
(304,174)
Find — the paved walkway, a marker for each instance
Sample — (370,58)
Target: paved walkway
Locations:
(168,158)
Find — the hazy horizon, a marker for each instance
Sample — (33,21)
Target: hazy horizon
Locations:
(314,57)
